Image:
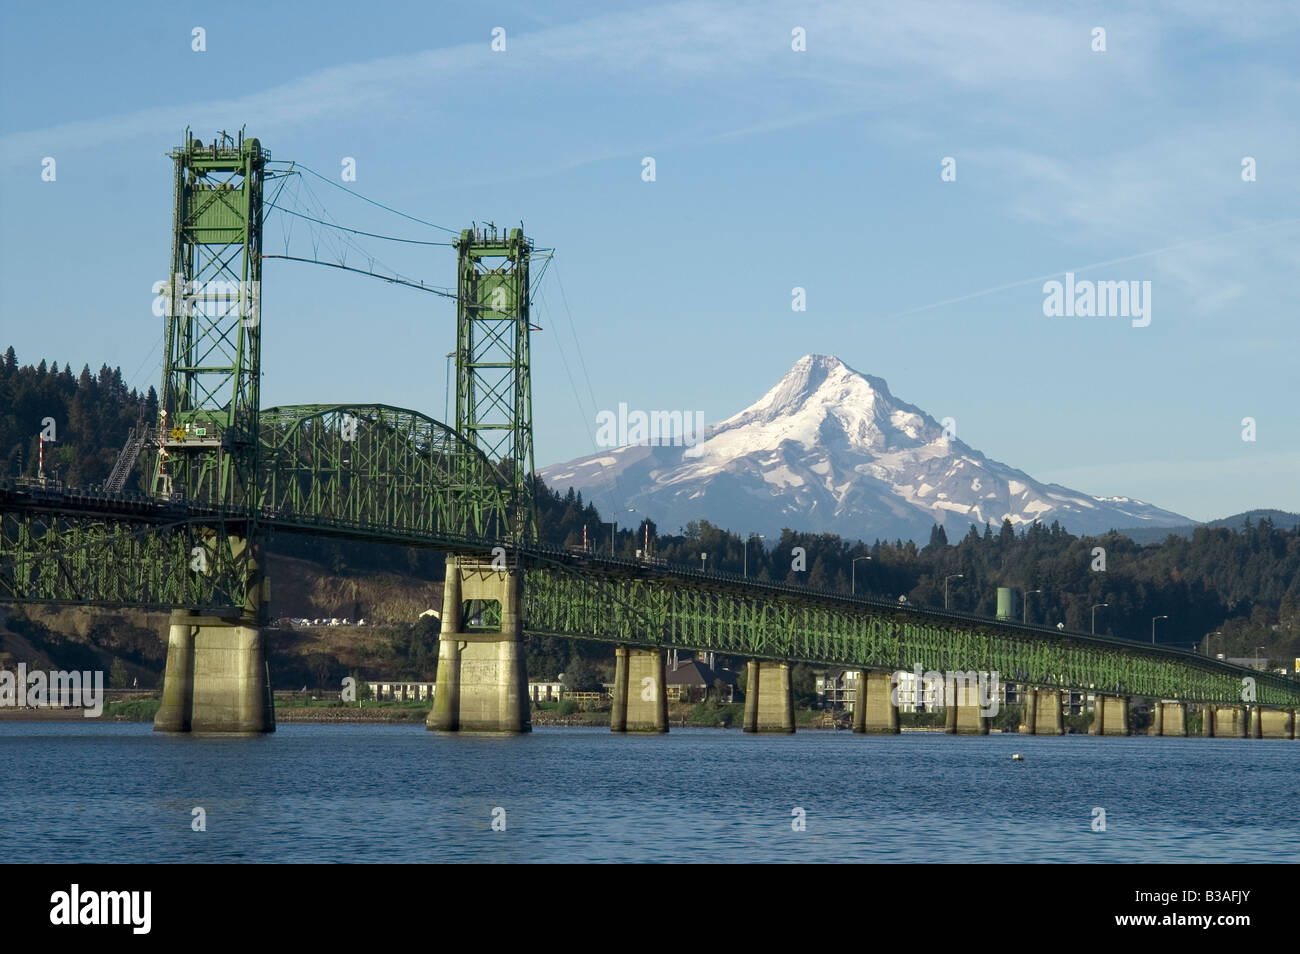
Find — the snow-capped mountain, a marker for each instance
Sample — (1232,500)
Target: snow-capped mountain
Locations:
(831,450)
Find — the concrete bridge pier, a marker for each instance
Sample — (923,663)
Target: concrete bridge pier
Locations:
(1109,715)
(1228,722)
(640,702)
(177,706)
(875,709)
(769,700)
(1043,714)
(1169,719)
(1272,723)
(216,678)
(482,685)
(965,715)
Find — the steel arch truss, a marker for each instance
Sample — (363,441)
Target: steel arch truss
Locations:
(377,468)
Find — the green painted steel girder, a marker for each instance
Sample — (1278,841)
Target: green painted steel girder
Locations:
(682,611)
(57,556)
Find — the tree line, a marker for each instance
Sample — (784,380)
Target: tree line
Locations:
(91,413)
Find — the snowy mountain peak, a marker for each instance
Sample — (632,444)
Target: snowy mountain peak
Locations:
(830,449)
(819,380)
(821,400)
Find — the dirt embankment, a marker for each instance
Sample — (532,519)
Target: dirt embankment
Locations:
(84,638)
(300,588)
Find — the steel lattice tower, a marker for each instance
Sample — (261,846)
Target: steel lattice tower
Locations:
(208,421)
(494,403)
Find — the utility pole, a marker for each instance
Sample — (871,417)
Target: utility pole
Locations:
(853,571)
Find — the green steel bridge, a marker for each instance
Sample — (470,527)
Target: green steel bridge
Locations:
(222,473)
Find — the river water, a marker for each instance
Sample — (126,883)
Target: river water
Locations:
(369,793)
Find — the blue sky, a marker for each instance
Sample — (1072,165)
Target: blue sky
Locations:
(774,169)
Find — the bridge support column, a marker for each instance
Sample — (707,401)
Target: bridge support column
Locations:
(1275,724)
(1046,712)
(1169,719)
(874,709)
(640,700)
(1110,716)
(1042,713)
(482,685)
(1029,721)
(1207,721)
(216,678)
(1229,722)
(965,715)
(178,678)
(769,701)
(1254,727)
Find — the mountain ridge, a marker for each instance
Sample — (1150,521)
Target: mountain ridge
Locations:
(829,449)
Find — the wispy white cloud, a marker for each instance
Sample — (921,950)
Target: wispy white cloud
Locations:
(857,58)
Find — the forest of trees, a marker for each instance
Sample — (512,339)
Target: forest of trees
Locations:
(92,414)
(1243,583)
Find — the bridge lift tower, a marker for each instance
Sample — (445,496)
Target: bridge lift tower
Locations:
(494,398)
(208,427)
(482,681)
(208,433)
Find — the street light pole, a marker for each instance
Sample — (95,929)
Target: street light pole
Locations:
(954,576)
(1096,606)
(1026,602)
(853,572)
(1153,627)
